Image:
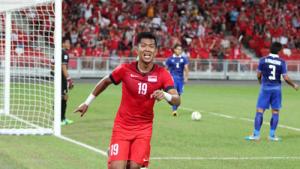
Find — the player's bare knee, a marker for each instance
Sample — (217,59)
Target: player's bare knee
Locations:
(134,165)
(260,110)
(65,97)
(275,111)
(117,165)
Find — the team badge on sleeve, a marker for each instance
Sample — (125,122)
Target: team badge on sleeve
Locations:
(66,57)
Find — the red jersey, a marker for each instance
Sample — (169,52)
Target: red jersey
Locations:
(136,108)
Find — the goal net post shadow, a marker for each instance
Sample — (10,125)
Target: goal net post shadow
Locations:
(30,48)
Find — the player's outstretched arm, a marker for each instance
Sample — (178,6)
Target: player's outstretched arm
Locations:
(70,82)
(290,82)
(186,73)
(99,88)
(258,75)
(171,96)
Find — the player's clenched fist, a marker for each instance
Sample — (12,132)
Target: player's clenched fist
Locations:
(158,95)
(70,83)
(296,86)
(82,109)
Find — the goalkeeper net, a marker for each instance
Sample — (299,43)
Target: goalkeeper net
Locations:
(26,50)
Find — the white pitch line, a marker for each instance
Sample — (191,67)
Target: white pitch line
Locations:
(104,153)
(225,158)
(245,119)
(222,115)
(213,113)
(240,118)
(188,109)
(288,127)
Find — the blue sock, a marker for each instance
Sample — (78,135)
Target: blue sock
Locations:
(257,123)
(174,107)
(273,124)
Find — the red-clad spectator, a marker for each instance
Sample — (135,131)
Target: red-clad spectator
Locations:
(77,51)
(137,9)
(167,52)
(193,53)
(98,51)
(113,43)
(96,30)
(81,22)
(86,34)
(105,11)
(204,53)
(276,32)
(127,53)
(106,52)
(89,52)
(236,53)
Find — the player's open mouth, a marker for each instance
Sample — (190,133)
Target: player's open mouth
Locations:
(147,55)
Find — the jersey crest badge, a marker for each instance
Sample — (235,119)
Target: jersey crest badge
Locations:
(152,78)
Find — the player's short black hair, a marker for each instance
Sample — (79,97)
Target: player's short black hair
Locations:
(275,47)
(177,45)
(65,39)
(146,35)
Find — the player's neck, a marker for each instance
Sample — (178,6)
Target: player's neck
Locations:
(144,68)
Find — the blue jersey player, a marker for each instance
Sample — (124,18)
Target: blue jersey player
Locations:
(177,64)
(269,72)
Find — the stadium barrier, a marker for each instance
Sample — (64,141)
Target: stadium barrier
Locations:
(95,67)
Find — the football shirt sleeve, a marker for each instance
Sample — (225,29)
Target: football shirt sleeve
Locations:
(284,68)
(259,68)
(167,81)
(117,74)
(186,61)
(168,62)
(65,58)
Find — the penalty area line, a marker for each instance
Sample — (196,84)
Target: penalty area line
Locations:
(239,118)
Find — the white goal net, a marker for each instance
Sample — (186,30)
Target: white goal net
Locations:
(27,46)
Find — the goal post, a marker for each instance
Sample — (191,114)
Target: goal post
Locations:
(7,63)
(30,39)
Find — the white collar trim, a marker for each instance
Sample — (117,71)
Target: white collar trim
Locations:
(175,56)
(274,55)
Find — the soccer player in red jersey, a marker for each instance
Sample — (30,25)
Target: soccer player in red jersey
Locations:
(143,82)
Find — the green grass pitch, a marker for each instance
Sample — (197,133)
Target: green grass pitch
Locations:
(214,142)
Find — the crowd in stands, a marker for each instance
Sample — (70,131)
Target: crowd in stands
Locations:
(259,24)
(206,29)
(104,28)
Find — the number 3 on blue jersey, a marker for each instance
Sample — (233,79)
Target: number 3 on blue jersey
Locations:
(273,71)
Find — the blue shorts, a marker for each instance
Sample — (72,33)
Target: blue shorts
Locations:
(269,96)
(178,84)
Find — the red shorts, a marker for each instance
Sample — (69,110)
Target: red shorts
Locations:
(130,145)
